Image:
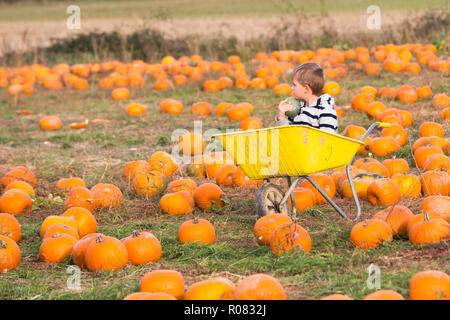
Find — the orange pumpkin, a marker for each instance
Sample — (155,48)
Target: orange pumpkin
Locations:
(198,231)
(136,109)
(167,281)
(422,154)
(210,289)
(410,185)
(106,196)
(437,162)
(384,295)
(361,101)
(430,285)
(21,185)
(289,236)
(397,132)
(163,162)
(259,287)
(428,129)
(384,192)
(182,184)
(15,201)
(201,108)
(9,254)
(10,227)
(208,195)
(142,247)
(396,217)
(191,144)
(150,183)
(80,197)
(224,175)
(105,254)
(325,182)
(369,234)
(396,166)
(435,183)
(134,167)
(437,204)
(120,94)
(180,202)
(56,248)
(383,146)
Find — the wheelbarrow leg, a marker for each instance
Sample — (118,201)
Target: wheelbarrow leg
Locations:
(334,205)
(290,193)
(355,195)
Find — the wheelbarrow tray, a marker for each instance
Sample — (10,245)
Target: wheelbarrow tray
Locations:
(292,150)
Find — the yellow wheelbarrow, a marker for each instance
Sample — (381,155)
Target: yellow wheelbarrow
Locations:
(291,151)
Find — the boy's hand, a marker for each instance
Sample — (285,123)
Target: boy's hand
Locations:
(283,107)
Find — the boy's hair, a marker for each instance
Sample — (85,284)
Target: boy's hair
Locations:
(310,74)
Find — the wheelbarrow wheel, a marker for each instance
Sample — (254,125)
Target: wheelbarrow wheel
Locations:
(268,198)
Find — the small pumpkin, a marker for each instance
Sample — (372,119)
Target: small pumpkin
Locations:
(133,167)
(197,230)
(150,183)
(15,201)
(410,185)
(167,281)
(106,195)
(430,285)
(369,234)
(396,166)
(67,184)
(79,249)
(9,254)
(106,254)
(265,226)
(163,162)
(289,236)
(180,202)
(10,227)
(210,289)
(429,231)
(396,217)
(56,248)
(207,195)
(325,182)
(224,176)
(50,123)
(437,204)
(143,247)
(84,218)
(383,192)
(80,197)
(20,173)
(384,295)
(21,185)
(259,287)
(431,129)
(435,183)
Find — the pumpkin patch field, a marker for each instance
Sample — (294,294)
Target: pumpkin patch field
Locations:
(112,188)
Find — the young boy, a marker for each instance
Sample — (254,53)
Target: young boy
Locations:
(317,110)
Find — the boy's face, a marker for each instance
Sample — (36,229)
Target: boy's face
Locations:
(300,91)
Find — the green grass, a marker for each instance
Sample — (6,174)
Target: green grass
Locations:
(194,9)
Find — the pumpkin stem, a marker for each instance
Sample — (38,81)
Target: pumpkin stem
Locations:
(2,244)
(195,220)
(427,217)
(99,239)
(56,235)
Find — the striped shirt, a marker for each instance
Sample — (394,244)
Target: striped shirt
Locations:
(320,115)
